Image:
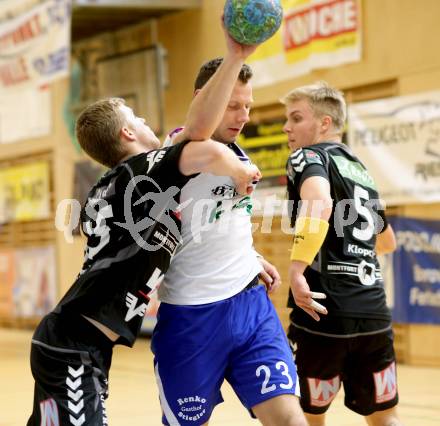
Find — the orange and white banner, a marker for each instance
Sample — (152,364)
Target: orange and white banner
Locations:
(34,43)
(314,34)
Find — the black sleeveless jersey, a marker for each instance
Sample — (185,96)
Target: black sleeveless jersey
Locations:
(346,268)
(132,230)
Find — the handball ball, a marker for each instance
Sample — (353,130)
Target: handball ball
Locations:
(252,21)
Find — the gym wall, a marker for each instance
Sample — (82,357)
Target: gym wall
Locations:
(398,58)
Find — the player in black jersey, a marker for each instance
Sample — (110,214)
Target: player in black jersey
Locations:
(132,226)
(339,228)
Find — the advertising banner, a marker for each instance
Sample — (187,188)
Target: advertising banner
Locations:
(314,34)
(266,145)
(416,267)
(34,290)
(27,282)
(398,140)
(35,44)
(25,192)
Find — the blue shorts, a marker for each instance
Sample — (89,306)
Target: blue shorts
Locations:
(239,339)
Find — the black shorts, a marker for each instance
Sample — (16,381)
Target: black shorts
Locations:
(70,360)
(365,365)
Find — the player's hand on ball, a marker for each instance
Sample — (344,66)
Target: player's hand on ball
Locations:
(304,298)
(252,21)
(233,46)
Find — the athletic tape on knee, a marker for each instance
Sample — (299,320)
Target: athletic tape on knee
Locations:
(310,233)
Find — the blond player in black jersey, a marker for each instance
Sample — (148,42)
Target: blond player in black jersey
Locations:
(340,324)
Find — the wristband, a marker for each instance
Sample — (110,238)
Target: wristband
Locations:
(310,233)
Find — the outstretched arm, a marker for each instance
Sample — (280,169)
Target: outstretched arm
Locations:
(209,104)
(217,159)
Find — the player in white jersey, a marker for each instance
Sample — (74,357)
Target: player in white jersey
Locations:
(215,225)
(215,321)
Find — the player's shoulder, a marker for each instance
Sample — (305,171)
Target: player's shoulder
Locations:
(143,163)
(302,157)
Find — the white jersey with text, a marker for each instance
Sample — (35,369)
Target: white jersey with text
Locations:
(216,259)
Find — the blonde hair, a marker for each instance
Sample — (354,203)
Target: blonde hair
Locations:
(98,130)
(323,99)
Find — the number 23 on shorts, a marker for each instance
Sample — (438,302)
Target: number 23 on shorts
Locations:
(266,387)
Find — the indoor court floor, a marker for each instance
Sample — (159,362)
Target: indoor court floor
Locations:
(133,397)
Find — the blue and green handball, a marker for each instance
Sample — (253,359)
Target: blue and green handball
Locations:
(252,21)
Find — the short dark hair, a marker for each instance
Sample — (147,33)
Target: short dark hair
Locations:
(208,69)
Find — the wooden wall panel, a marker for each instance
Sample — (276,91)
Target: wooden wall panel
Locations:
(275,247)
